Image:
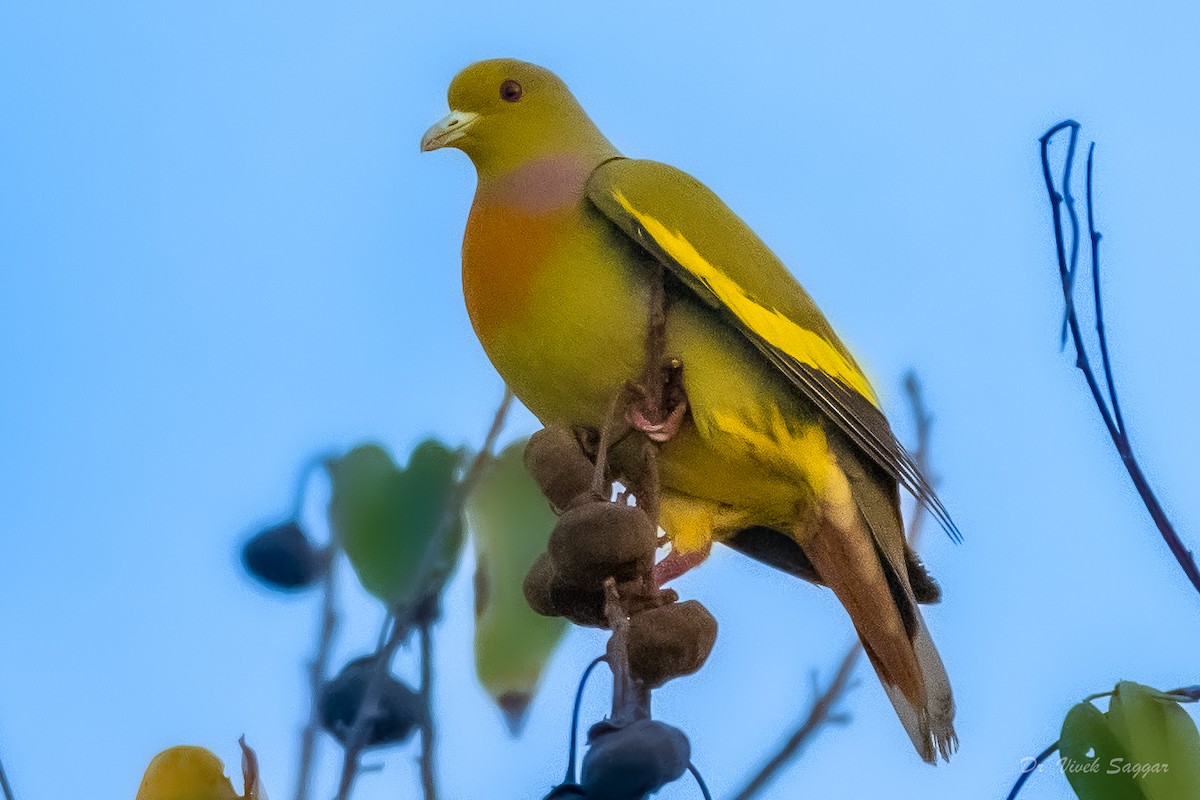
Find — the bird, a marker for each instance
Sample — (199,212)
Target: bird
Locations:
(783,453)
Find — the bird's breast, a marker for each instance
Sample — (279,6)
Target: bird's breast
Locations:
(554,297)
(504,250)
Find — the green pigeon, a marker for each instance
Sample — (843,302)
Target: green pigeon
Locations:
(779,447)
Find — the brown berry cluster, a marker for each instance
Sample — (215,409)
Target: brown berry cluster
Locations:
(598,570)
(597,539)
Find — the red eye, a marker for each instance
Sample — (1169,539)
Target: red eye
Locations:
(510,91)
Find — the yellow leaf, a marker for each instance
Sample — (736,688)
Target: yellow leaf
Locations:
(186,772)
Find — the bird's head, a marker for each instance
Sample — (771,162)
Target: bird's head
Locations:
(504,113)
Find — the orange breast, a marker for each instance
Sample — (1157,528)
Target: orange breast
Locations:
(503,251)
(556,307)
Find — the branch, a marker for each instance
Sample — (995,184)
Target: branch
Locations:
(823,708)
(631,697)
(818,716)
(421,614)
(4,784)
(475,470)
(1109,408)
(572,747)
(316,674)
(357,739)
(428,775)
(1031,766)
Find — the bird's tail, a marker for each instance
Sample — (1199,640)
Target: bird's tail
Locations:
(930,727)
(864,563)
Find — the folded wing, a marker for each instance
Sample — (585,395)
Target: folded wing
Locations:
(712,252)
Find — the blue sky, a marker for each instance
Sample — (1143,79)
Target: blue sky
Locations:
(221,251)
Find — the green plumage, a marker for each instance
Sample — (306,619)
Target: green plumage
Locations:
(566,239)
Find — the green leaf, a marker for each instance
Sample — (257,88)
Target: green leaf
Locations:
(387,519)
(1161,739)
(510,524)
(1087,747)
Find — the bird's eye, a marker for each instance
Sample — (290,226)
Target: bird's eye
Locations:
(510,91)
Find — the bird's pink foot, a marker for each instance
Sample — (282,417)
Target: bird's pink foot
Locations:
(659,432)
(658,412)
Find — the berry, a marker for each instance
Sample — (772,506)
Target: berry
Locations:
(670,641)
(559,466)
(397,714)
(596,540)
(631,762)
(550,596)
(282,557)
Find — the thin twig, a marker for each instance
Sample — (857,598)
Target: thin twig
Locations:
(402,619)
(315,462)
(653,373)
(316,674)
(428,774)
(372,694)
(1098,298)
(573,741)
(1112,418)
(818,716)
(821,712)
(4,784)
(601,487)
(700,781)
(631,698)
(475,470)
(1031,768)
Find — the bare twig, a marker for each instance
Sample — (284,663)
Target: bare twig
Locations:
(700,781)
(818,716)
(1108,406)
(573,740)
(646,401)
(475,470)
(823,709)
(653,372)
(631,697)
(428,774)
(369,707)
(316,674)
(4,784)
(401,620)
(315,462)
(1029,767)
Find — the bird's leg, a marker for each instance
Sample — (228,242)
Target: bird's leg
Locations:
(657,401)
(675,564)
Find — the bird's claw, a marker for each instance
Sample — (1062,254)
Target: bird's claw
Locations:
(648,411)
(658,432)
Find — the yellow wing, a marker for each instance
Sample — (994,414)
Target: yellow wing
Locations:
(712,252)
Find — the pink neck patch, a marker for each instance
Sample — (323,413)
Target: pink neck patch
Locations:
(543,185)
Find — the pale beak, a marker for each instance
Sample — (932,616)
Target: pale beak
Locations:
(447,130)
